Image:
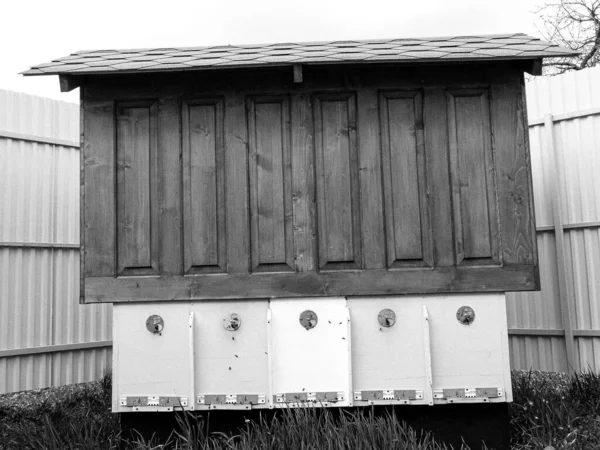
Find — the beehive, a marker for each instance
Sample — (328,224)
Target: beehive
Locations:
(292,223)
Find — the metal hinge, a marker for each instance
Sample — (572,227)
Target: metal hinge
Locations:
(400,396)
(463,395)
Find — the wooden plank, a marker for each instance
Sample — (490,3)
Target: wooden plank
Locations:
(371,195)
(360,187)
(98,171)
(303,184)
(404,179)
(474,202)
(137,215)
(565,297)
(205,246)
(436,150)
(270,175)
(534,67)
(513,175)
(340,245)
(420,280)
(297,73)
(69,82)
(168,186)
(236,194)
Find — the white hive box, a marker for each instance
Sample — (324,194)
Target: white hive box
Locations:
(270,357)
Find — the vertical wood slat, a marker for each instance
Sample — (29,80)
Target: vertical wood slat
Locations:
(408,232)
(236,194)
(137,213)
(169,186)
(370,164)
(204,236)
(270,175)
(513,175)
(476,234)
(303,184)
(566,299)
(98,208)
(436,143)
(340,243)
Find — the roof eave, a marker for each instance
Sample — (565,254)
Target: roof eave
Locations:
(66,73)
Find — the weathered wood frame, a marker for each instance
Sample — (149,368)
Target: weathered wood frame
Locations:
(368,269)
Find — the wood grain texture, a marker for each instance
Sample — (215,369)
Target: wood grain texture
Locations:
(340,244)
(236,194)
(303,184)
(370,173)
(137,212)
(168,181)
(312,284)
(359,202)
(408,232)
(440,202)
(98,209)
(204,237)
(515,197)
(270,174)
(472,168)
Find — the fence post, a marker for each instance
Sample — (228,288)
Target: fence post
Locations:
(566,303)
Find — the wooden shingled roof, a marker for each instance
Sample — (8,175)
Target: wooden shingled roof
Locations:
(437,49)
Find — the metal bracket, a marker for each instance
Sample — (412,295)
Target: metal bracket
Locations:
(232,399)
(309,397)
(398,396)
(468,395)
(158,403)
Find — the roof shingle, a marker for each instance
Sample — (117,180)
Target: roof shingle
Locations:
(460,48)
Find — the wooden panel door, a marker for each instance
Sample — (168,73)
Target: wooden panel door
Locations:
(408,233)
(472,171)
(339,230)
(137,215)
(270,174)
(204,236)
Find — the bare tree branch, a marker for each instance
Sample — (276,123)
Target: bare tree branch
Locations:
(574,24)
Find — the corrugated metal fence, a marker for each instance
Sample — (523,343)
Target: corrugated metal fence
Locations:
(558,329)
(46,337)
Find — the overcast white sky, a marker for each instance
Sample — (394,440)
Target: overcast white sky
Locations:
(37,31)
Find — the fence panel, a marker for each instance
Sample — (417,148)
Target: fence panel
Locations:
(46,337)
(559,327)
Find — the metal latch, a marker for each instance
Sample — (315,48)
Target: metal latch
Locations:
(309,397)
(231,399)
(153,401)
(463,395)
(401,396)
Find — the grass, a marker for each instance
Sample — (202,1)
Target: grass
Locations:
(558,410)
